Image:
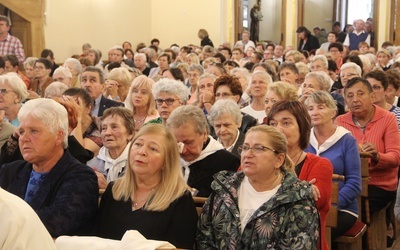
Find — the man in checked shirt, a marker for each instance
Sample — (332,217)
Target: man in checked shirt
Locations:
(10,44)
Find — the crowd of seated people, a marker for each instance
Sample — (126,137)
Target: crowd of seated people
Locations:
(156,127)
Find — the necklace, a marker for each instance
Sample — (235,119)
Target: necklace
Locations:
(298,158)
(136,203)
(139,122)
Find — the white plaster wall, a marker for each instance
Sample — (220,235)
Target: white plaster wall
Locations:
(318,13)
(105,23)
(102,23)
(178,21)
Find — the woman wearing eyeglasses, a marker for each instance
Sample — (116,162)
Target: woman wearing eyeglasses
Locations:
(293,120)
(169,94)
(141,101)
(263,207)
(12,93)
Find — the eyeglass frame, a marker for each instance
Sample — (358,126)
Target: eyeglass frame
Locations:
(160,101)
(256,151)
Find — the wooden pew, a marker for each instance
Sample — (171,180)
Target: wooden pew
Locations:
(199,201)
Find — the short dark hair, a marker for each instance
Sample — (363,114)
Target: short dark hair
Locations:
(248,66)
(299,111)
(227,49)
(47,52)
(332,66)
(286,65)
(81,93)
(6,19)
(45,62)
(378,75)
(337,45)
(176,73)
(154,40)
(267,68)
(231,63)
(113,65)
(13,59)
(95,69)
(355,59)
(354,81)
(232,82)
(164,54)
(393,78)
(336,24)
(221,57)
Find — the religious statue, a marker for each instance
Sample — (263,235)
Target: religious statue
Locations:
(256,17)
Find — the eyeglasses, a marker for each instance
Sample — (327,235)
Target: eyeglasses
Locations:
(223,95)
(257,149)
(39,67)
(168,101)
(5,91)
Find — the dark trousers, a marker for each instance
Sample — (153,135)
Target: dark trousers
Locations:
(379,198)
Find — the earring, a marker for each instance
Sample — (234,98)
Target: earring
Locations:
(276,171)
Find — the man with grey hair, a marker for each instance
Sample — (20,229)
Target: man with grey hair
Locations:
(10,44)
(92,81)
(62,191)
(202,156)
(357,36)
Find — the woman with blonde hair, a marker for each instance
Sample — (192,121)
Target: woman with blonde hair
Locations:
(192,58)
(278,91)
(205,40)
(141,101)
(117,84)
(152,197)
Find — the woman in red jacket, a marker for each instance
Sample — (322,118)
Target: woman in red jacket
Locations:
(293,120)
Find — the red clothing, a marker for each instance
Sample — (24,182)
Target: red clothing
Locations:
(383,132)
(321,169)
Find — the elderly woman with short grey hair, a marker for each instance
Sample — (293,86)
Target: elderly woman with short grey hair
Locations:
(168,94)
(63,74)
(13,93)
(319,80)
(55,89)
(194,73)
(29,66)
(76,69)
(226,119)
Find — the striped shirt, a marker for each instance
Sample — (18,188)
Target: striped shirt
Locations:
(12,45)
